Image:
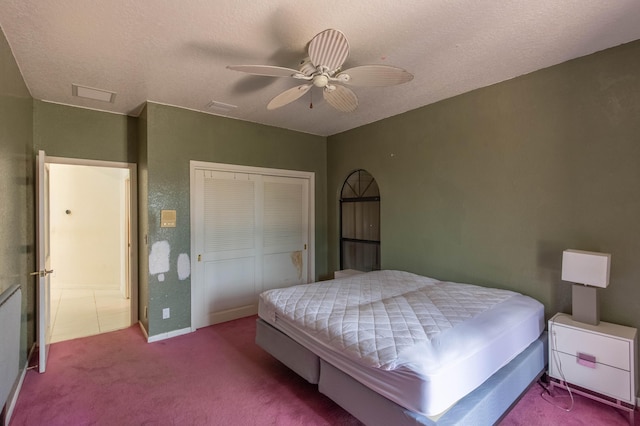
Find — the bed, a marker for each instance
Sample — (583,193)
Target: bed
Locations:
(392,347)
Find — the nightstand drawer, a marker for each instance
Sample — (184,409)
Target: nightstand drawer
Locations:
(606,350)
(602,378)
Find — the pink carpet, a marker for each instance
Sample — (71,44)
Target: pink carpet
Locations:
(215,376)
(534,410)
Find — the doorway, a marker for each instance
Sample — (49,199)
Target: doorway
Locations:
(92,285)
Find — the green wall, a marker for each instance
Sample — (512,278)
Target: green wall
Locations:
(174,137)
(17,233)
(491,186)
(161,141)
(488,187)
(65,131)
(70,132)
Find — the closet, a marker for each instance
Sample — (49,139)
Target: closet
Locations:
(251,231)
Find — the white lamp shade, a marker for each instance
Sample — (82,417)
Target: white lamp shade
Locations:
(586,267)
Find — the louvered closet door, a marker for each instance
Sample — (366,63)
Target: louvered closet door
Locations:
(229,257)
(251,234)
(285,232)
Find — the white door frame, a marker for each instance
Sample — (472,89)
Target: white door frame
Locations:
(235,168)
(133,218)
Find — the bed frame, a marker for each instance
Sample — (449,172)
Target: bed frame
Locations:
(487,404)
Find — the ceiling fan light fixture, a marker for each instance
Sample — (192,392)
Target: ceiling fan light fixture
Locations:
(320,80)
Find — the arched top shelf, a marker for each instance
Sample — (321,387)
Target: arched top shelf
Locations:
(360,185)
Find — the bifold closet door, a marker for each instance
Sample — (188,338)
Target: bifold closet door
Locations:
(251,235)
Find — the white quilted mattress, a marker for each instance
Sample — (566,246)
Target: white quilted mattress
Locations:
(420,342)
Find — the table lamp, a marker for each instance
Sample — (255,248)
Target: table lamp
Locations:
(588,271)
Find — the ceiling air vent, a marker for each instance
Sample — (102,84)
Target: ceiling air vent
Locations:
(220,106)
(91,93)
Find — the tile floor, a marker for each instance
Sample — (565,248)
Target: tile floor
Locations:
(80,312)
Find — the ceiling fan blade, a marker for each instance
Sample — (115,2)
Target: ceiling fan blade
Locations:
(266,70)
(341,98)
(288,96)
(374,76)
(329,49)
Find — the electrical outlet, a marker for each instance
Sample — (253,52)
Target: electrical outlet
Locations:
(166,313)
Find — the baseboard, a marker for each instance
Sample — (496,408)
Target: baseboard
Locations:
(167,335)
(13,398)
(144,331)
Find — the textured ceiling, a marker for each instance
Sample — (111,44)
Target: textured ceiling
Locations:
(176,52)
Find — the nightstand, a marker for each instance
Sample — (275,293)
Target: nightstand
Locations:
(600,358)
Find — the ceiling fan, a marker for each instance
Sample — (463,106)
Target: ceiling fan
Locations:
(323,68)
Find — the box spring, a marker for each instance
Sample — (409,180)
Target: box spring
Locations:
(485,405)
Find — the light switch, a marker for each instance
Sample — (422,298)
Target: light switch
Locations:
(167,218)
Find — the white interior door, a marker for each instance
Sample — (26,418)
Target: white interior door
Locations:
(125,283)
(44,261)
(250,233)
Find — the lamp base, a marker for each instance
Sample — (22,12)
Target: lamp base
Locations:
(584,304)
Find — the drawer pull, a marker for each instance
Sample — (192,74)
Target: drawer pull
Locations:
(586,360)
